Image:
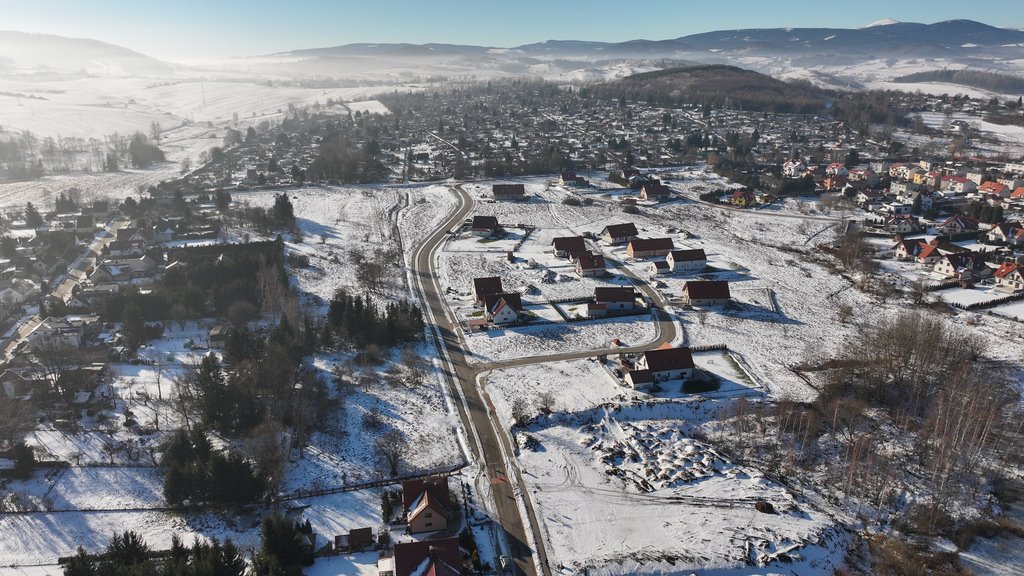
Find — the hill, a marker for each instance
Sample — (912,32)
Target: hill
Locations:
(715,85)
(21,51)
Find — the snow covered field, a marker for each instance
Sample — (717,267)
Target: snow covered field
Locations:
(607,469)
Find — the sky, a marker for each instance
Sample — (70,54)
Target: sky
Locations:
(195,30)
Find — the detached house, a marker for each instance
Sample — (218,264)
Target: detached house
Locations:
(957,185)
(706,292)
(1011,233)
(56,331)
(609,299)
(437,557)
(995,189)
(503,308)
(426,504)
(649,247)
(901,224)
(617,234)
(17,291)
(484,226)
(793,169)
(742,198)
(483,287)
(1010,275)
(589,264)
(509,191)
(655,191)
(957,224)
(665,363)
(962,265)
(569,246)
(687,260)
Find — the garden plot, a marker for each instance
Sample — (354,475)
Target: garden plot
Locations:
(1013,310)
(495,345)
(970,296)
(544,312)
(567,386)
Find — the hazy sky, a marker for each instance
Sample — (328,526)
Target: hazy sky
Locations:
(199,29)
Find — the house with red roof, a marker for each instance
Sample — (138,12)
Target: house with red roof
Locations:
(426,504)
(1010,275)
(503,308)
(957,224)
(589,264)
(995,189)
(962,266)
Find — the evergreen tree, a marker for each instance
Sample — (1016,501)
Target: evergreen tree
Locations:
(32,216)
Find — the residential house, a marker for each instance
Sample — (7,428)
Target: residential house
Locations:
(665,363)
(438,557)
(907,249)
(687,260)
(569,246)
(569,178)
(55,331)
(614,298)
(357,540)
(509,191)
(1010,275)
(649,247)
(589,264)
(484,226)
(706,292)
(742,198)
(837,169)
(503,308)
(975,176)
(17,291)
(928,254)
(863,175)
(1006,233)
(994,189)
(957,185)
(655,191)
(617,234)
(21,384)
(868,196)
(658,267)
(426,504)
(483,287)
(962,265)
(902,224)
(958,224)
(123,270)
(793,169)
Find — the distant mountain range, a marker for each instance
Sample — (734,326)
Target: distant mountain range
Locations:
(886,38)
(838,58)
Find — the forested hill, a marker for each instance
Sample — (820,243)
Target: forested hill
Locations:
(714,85)
(991,81)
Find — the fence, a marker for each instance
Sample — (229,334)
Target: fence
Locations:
(363,486)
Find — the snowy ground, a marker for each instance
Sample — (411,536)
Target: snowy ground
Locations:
(607,470)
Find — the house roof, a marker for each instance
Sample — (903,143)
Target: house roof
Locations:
(655,189)
(664,359)
(660,265)
(1006,269)
(430,499)
(646,244)
(413,489)
(488,285)
(570,244)
(614,294)
(707,289)
(927,250)
(442,556)
(694,255)
(494,302)
(992,187)
(485,222)
(620,230)
(641,376)
(961,221)
(508,190)
(590,261)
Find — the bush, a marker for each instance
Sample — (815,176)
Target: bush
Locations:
(571,201)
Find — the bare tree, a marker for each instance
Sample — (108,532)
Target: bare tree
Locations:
(266,446)
(390,449)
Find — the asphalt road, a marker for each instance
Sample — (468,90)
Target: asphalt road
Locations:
(490,442)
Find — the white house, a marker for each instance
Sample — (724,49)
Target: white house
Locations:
(687,260)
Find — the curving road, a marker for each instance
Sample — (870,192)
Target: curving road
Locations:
(491,444)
